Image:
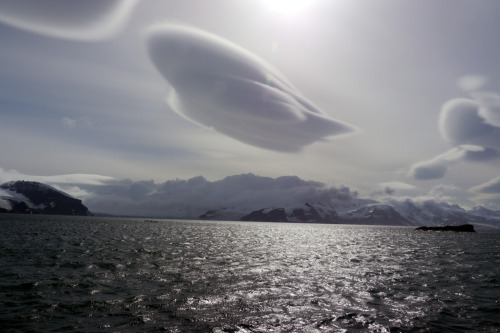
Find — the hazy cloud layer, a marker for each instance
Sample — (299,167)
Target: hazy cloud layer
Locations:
(82,20)
(436,167)
(439,193)
(444,193)
(391,188)
(397,186)
(217,84)
(78,179)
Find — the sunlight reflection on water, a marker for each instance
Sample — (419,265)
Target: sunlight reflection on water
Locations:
(198,276)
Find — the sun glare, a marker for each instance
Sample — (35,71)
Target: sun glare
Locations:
(288,7)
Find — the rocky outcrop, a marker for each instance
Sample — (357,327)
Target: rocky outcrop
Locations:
(456,228)
(267,215)
(28,197)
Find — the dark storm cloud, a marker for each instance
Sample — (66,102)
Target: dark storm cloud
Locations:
(82,20)
(217,84)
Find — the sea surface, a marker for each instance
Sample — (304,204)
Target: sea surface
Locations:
(92,274)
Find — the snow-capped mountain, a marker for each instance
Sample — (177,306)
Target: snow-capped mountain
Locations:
(484,212)
(439,213)
(406,212)
(304,213)
(318,212)
(374,214)
(240,197)
(36,198)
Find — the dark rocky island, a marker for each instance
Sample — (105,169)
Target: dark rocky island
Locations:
(456,228)
(26,197)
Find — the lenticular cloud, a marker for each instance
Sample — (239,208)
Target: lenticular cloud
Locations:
(472,126)
(81,20)
(472,121)
(219,85)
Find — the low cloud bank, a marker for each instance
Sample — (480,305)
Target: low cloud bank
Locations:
(219,85)
(190,198)
(237,195)
(80,20)
(194,197)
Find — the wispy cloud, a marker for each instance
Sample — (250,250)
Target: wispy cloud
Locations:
(78,179)
(472,82)
(436,167)
(68,122)
(219,85)
(490,187)
(81,20)
(488,193)
(443,193)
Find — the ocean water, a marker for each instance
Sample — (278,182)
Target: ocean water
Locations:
(128,275)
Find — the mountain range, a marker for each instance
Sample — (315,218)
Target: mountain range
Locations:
(242,197)
(372,213)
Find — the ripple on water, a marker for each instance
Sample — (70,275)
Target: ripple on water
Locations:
(126,275)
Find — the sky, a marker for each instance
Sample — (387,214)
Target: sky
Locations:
(387,97)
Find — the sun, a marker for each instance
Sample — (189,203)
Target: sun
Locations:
(288,7)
